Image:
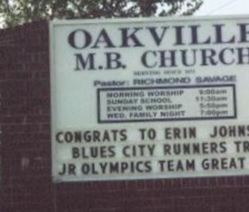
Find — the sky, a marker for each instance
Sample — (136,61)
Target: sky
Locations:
(220,7)
(224,7)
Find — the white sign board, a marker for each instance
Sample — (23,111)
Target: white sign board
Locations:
(149,98)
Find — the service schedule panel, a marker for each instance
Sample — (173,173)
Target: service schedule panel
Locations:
(149,98)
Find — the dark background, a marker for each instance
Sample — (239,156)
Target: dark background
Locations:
(26,182)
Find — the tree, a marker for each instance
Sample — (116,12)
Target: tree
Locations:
(15,12)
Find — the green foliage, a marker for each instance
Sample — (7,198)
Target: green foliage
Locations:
(15,12)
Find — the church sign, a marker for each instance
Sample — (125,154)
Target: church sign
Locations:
(149,98)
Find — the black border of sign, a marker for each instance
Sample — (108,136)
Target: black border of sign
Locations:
(168,87)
